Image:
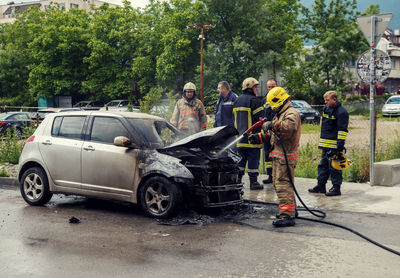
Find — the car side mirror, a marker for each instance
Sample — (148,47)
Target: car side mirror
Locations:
(122,141)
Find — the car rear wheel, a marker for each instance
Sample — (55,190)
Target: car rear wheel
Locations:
(35,187)
(160,197)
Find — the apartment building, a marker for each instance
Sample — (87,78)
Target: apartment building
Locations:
(9,11)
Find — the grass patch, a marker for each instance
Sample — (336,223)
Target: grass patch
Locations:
(3,173)
(11,145)
(310,128)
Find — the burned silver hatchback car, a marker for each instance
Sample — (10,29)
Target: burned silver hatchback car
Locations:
(125,156)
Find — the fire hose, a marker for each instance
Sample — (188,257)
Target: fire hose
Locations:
(322,214)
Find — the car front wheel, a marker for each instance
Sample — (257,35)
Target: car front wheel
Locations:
(160,198)
(35,187)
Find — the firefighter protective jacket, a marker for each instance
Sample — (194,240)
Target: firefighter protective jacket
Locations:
(189,116)
(247,110)
(335,121)
(224,115)
(287,126)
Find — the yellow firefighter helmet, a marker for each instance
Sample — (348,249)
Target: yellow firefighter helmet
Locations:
(189,87)
(339,161)
(249,83)
(276,97)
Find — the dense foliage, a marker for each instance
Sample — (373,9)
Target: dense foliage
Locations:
(124,52)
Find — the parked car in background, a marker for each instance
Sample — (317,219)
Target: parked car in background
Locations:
(391,107)
(133,157)
(89,104)
(307,113)
(119,105)
(14,120)
(43,112)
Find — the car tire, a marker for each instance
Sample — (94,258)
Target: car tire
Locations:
(160,198)
(34,187)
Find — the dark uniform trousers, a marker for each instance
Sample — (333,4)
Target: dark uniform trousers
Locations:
(325,170)
(252,156)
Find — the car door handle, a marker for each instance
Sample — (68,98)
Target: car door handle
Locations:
(47,142)
(88,148)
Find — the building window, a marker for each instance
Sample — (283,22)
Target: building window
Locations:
(61,6)
(73,6)
(393,63)
(46,7)
(351,63)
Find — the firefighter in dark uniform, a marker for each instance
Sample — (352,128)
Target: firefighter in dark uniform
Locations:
(247,110)
(268,115)
(335,120)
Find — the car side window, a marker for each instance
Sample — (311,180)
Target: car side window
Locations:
(105,129)
(68,127)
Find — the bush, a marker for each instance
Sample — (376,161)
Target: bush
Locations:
(11,145)
(3,173)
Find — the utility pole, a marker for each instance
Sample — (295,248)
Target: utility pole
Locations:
(201,27)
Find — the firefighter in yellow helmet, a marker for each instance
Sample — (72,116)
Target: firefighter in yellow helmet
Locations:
(286,125)
(189,113)
(247,109)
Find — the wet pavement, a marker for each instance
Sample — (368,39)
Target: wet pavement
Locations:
(356,197)
(113,239)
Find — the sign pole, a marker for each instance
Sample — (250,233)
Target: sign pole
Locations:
(372,102)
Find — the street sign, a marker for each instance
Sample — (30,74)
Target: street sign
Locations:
(381,22)
(382,65)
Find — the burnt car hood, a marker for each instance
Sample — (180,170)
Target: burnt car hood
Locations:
(208,139)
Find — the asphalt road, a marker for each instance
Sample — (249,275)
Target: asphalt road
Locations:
(116,240)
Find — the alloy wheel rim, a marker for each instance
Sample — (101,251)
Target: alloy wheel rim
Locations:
(33,186)
(157,198)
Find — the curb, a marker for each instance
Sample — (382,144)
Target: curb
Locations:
(9,181)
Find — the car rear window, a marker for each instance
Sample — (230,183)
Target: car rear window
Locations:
(105,129)
(68,127)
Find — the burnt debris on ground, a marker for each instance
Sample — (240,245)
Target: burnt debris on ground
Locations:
(235,214)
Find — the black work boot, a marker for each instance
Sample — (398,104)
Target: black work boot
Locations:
(254,185)
(267,181)
(334,191)
(317,189)
(284,222)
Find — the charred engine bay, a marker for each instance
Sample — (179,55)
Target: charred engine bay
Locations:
(216,178)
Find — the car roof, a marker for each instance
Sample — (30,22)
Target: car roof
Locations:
(136,115)
(57,109)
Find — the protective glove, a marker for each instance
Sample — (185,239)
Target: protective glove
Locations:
(331,153)
(256,138)
(267,125)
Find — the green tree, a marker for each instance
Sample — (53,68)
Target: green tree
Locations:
(112,45)
(59,50)
(15,57)
(249,36)
(337,40)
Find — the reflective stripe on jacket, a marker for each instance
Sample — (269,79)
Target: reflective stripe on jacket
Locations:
(189,116)
(247,110)
(335,121)
(287,126)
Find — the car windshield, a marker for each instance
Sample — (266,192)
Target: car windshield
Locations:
(81,104)
(3,116)
(157,133)
(394,100)
(113,103)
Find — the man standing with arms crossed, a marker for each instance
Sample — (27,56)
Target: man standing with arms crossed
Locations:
(335,120)
(224,114)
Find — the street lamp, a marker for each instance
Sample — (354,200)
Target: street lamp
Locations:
(201,38)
